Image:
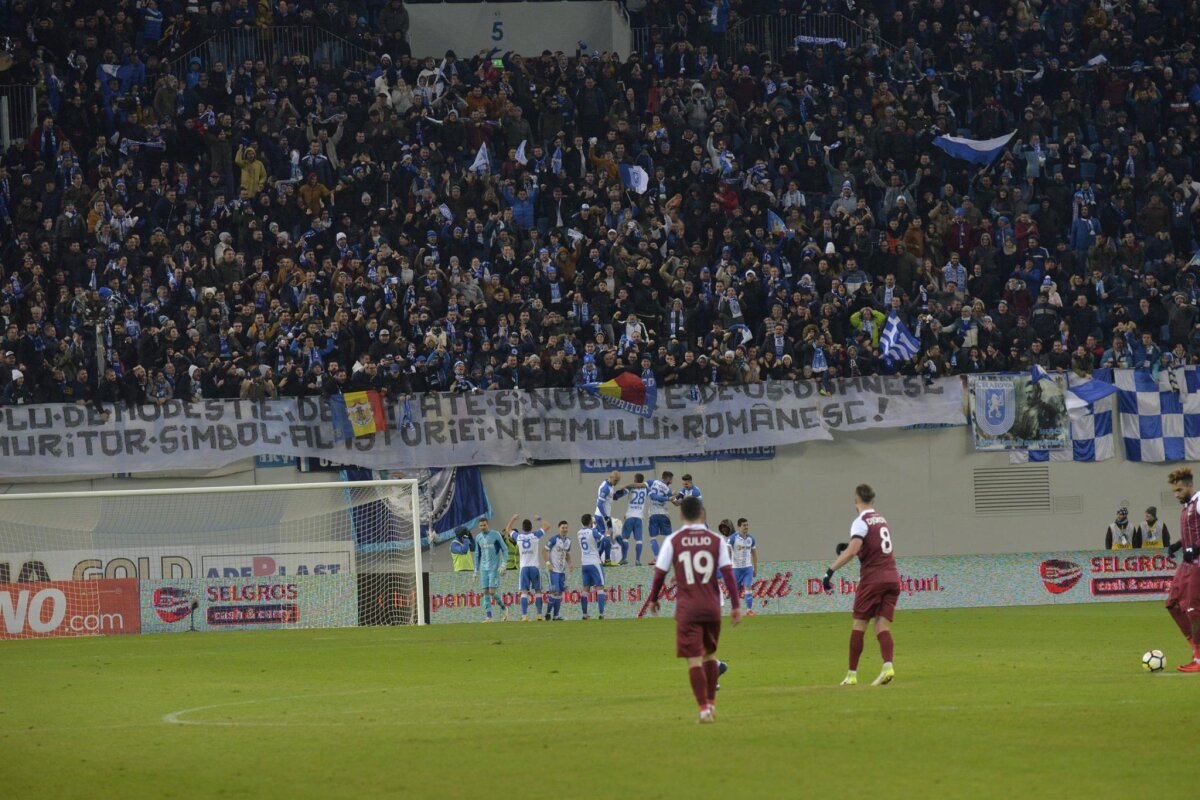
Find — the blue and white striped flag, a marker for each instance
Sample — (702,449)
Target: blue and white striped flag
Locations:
(1091,408)
(1160,414)
(977,151)
(775,224)
(725,158)
(744,330)
(521,157)
(483,162)
(556,161)
(634,178)
(897,341)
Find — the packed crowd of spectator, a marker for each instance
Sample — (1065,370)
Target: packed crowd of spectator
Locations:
(300,227)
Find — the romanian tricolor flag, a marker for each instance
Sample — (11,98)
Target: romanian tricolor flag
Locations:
(357,414)
(627,392)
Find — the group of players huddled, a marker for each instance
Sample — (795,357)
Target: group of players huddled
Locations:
(595,540)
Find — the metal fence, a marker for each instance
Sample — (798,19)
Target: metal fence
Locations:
(773,34)
(272,45)
(18,112)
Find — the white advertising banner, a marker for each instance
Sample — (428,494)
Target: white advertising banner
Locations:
(181,562)
(446,430)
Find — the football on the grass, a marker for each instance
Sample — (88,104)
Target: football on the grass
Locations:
(1153,661)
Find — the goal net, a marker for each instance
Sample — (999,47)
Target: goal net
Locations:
(213,558)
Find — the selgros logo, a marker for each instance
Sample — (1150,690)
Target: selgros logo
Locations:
(1060,576)
(172,603)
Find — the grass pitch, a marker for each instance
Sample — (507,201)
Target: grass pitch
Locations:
(1027,702)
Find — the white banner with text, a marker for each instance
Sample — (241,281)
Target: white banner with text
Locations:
(446,430)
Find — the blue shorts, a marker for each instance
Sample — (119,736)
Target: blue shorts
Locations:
(632,528)
(743,576)
(490,580)
(592,576)
(660,525)
(558,582)
(530,579)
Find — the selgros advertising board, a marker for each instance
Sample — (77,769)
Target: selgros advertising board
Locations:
(792,587)
(272,601)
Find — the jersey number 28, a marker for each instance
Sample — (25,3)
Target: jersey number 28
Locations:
(697,562)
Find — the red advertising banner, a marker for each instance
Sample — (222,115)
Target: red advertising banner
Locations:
(69,608)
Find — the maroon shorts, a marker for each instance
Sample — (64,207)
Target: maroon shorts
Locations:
(876,600)
(696,639)
(1185,589)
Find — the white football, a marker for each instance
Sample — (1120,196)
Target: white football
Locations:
(1154,661)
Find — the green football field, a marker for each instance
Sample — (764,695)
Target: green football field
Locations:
(1029,702)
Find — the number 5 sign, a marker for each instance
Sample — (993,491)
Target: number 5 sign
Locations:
(470,28)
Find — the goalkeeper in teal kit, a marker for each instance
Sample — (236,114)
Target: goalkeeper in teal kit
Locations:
(491,556)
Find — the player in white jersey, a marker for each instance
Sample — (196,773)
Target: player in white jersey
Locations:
(590,537)
(635,519)
(660,519)
(745,562)
(689,489)
(530,577)
(558,561)
(606,493)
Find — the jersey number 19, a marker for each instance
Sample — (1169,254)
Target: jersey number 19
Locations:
(700,561)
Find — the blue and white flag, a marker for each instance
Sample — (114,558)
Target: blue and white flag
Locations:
(1090,409)
(446,213)
(1160,416)
(977,151)
(483,162)
(897,341)
(450,499)
(775,224)
(1195,262)
(744,330)
(521,157)
(725,158)
(1039,374)
(635,178)
(556,161)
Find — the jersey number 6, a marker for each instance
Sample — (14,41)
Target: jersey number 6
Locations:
(700,561)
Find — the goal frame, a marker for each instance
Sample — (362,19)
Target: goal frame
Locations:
(414,507)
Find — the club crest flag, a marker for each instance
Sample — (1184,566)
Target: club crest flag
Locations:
(627,392)
(995,407)
(1012,411)
(357,414)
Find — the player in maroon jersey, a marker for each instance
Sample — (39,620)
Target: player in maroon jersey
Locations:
(878,583)
(697,556)
(1183,600)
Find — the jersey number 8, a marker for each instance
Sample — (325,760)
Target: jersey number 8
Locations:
(700,561)
(885,540)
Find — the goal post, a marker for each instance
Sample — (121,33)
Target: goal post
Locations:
(304,555)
